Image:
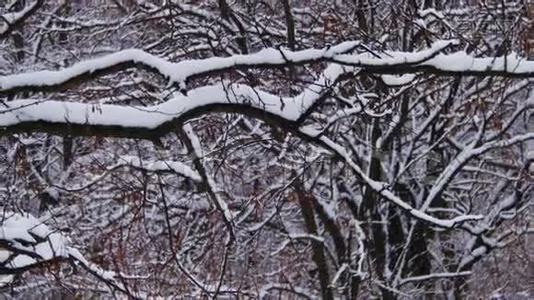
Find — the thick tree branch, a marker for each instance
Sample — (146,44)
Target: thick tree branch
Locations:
(428,61)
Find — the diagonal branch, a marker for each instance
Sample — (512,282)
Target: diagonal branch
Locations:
(13,20)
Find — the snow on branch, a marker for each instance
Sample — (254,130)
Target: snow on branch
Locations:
(125,161)
(434,276)
(9,21)
(428,60)
(26,243)
(148,122)
(298,291)
(176,72)
(193,144)
(382,189)
(162,166)
(432,60)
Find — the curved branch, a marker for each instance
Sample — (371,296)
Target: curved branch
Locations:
(429,60)
(176,72)
(152,122)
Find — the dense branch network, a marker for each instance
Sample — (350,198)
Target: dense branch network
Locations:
(155,121)
(236,165)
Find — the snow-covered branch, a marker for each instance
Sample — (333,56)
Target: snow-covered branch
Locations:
(10,21)
(28,243)
(177,73)
(393,62)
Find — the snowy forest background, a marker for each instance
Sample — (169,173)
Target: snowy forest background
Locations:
(273,149)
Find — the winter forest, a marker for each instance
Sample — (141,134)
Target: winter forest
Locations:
(266,149)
